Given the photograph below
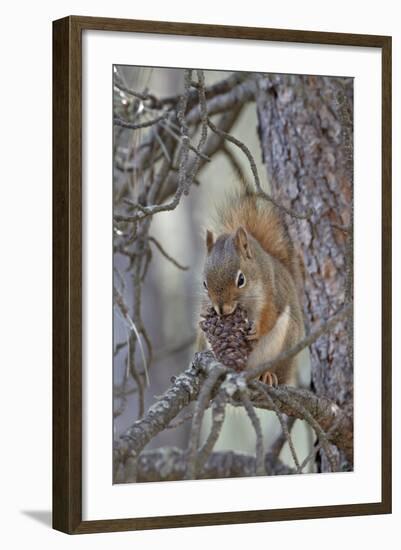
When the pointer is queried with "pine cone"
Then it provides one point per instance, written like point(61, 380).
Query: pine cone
point(227, 337)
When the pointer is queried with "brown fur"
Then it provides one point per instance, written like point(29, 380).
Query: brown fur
point(268, 317)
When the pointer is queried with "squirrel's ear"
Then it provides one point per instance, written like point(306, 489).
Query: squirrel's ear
point(242, 243)
point(209, 240)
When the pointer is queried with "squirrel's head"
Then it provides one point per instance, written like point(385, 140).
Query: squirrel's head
point(229, 270)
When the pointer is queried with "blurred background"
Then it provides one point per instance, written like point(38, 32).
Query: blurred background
point(171, 296)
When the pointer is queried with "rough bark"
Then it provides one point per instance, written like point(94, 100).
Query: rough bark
point(303, 125)
point(170, 463)
point(185, 388)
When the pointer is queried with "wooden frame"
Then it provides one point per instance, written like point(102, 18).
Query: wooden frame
point(67, 262)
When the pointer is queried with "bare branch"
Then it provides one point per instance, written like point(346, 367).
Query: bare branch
point(185, 389)
point(215, 371)
point(184, 180)
point(169, 464)
point(336, 422)
point(212, 146)
point(139, 95)
point(330, 422)
point(283, 423)
point(218, 416)
point(232, 101)
point(221, 88)
point(238, 95)
point(166, 255)
point(135, 333)
point(281, 439)
point(259, 465)
point(137, 125)
point(203, 119)
point(291, 401)
point(192, 148)
point(236, 166)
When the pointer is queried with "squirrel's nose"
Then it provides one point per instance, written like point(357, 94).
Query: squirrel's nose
point(228, 309)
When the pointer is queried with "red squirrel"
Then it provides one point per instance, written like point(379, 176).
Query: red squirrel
point(252, 261)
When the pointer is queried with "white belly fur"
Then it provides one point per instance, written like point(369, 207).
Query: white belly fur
point(270, 345)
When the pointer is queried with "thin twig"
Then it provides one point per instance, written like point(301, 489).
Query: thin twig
point(259, 191)
point(203, 120)
point(119, 347)
point(131, 325)
point(264, 390)
point(285, 398)
point(166, 255)
point(183, 180)
point(148, 259)
point(204, 396)
point(235, 164)
point(281, 439)
point(259, 465)
point(135, 374)
point(166, 126)
point(161, 143)
point(137, 125)
point(218, 415)
point(231, 102)
point(139, 95)
point(122, 396)
point(219, 88)
point(317, 447)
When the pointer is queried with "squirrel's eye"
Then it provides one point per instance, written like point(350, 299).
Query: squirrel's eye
point(241, 280)
point(205, 284)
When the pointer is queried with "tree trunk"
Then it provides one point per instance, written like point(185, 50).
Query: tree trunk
point(305, 130)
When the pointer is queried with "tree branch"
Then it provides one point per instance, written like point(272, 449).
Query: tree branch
point(213, 144)
point(336, 423)
point(169, 464)
point(137, 125)
point(184, 389)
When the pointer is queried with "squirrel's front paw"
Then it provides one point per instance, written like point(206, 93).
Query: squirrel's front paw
point(253, 333)
point(269, 378)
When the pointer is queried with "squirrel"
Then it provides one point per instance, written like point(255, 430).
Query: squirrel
point(252, 261)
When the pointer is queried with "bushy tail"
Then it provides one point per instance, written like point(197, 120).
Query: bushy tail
point(264, 222)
